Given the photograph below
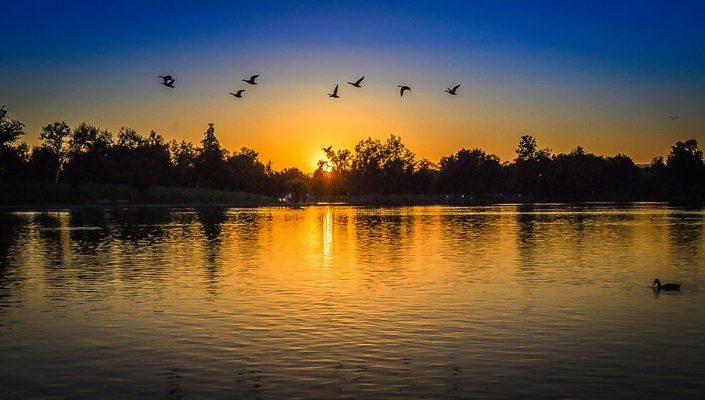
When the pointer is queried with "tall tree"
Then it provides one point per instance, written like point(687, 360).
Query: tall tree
point(88, 151)
point(246, 172)
point(210, 162)
point(183, 160)
point(471, 172)
point(685, 166)
point(12, 157)
point(55, 137)
point(10, 129)
point(531, 166)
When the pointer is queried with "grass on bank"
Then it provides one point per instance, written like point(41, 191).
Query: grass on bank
point(120, 195)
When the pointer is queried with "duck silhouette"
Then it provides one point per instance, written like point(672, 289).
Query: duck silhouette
point(252, 79)
point(238, 94)
point(167, 80)
point(403, 88)
point(357, 83)
point(335, 93)
point(453, 91)
point(666, 287)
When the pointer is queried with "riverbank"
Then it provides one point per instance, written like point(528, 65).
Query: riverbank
point(48, 196)
point(37, 196)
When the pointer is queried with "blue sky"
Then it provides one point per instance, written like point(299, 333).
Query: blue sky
point(96, 61)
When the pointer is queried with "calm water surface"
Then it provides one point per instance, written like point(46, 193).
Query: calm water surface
point(548, 301)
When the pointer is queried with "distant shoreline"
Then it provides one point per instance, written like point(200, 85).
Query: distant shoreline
point(20, 197)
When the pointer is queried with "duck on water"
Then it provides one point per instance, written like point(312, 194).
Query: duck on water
point(666, 287)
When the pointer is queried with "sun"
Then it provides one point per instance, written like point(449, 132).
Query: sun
point(325, 167)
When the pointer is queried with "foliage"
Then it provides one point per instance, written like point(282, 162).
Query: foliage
point(10, 129)
point(371, 170)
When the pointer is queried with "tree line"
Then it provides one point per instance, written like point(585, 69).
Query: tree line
point(88, 154)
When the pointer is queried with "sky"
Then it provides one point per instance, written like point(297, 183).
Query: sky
point(603, 75)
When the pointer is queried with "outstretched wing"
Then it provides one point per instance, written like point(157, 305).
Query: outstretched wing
point(455, 87)
point(360, 80)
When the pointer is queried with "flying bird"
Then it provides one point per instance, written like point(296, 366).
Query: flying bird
point(673, 117)
point(357, 82)
point(238, 94)
point(252, 79)
point(453, 91)
point(167, 80)
point(402, 88)
point(335, 93)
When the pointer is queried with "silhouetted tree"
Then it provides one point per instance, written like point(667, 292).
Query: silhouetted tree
point(55, 137)
point(426, 176)
point(210, 161)
point(88, 150)
point(88, 154)
point(471, 172)
point(10, 129)
point(653, 179)
point(532, 165)
point(621, 175)
point(12, 156)
point(183, 160)
point(685, 167)
point(246, 172)
point(333, 174)
point(382, 168)
point(141, 161)
point(290, 181)
point(578, 175)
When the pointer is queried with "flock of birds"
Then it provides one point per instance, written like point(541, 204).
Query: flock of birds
point(168, 81)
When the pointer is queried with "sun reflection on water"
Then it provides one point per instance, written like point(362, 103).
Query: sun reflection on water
point(327, 236)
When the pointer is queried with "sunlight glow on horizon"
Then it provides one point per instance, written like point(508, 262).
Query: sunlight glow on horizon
point(588, 86)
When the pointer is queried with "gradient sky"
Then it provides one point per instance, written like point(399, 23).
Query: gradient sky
point(604, 75)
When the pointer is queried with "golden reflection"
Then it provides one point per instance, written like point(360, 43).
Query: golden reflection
point(327, 235)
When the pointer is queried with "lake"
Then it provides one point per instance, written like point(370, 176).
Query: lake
point(508, 301)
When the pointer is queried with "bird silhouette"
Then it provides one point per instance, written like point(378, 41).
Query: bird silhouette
point(673, 117)
point(667, 287)
point(402, 88)
point(327, 149)
point(238, 94)
point(357, 82)
point(335, 93)
point(167, 80)
point(252, 79)
point(453, 91)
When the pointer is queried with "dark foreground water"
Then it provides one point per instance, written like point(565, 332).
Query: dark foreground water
point(429, 302)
